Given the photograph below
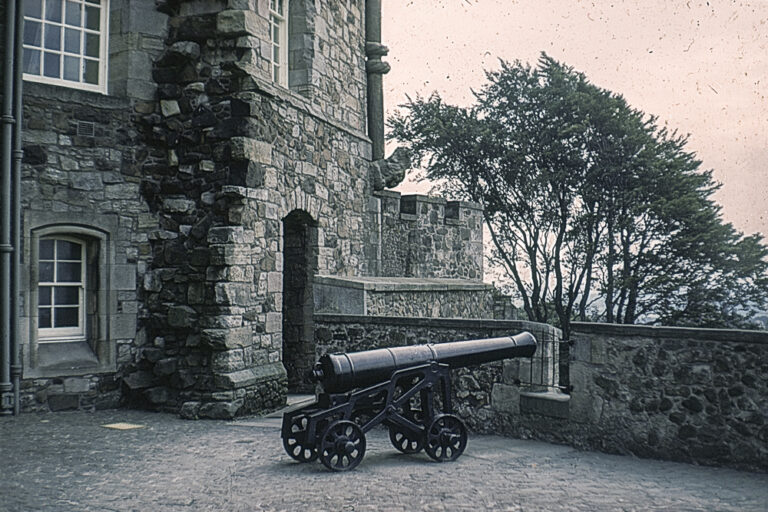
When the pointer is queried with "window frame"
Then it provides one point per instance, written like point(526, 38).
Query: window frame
point(280, 47)
point(64, 334)
point(101, 86)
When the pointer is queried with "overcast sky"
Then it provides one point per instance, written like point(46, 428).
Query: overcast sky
point(701, 67)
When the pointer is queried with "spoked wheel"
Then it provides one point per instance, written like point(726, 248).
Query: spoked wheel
point(446, 438)
point(342, 445)
point(406, 441)
point(295, 443)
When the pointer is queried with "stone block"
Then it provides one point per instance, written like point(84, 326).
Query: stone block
point(63, 402)
point(245, 148)
point(165, 366)
point(123, 277)
point(189, 410)
point(123, 325)
point(181, 316)
point(232, 293)
point(505, 398)
point(240, 23)
point(220, 410)
point(250, 376)
point(274, 323)
point(552, 404)
point(228, 361)
point(222, 339)
point(77, 385)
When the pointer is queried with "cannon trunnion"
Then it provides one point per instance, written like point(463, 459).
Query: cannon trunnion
point(408, 389)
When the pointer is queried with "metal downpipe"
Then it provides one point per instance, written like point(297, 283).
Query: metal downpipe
point(18, 153)
point(6, 248)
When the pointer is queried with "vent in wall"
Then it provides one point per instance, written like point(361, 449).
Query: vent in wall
point(85, 129)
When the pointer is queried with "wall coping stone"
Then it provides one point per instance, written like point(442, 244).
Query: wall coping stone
point(403, 284)
point(451, 323)
point(654, 331)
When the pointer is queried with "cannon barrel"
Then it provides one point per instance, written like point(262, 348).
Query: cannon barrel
point(342, 372)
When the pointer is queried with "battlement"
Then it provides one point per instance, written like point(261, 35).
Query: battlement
point(429, 237)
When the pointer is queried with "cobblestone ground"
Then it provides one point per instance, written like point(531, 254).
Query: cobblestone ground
point(69, 462)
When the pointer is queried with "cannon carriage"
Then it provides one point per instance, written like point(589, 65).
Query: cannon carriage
point(406, 389)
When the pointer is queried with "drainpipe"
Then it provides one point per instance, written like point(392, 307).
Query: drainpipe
point(375, 68)
point(7, 121)
point(18, 153)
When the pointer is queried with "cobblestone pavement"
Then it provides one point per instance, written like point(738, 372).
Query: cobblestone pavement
point(69, 462)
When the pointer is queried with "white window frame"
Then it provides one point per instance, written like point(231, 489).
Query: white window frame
point(101, 86)
point(278, 18)
point(65, 334)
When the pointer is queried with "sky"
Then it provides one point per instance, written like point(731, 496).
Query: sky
point(701, 67)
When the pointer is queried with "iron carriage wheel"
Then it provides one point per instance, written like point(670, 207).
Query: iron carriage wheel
point(296, 444)
point(446, 438)
point(342, 445)
point(405, 440)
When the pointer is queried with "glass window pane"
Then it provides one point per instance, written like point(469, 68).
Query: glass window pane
point(72, 16)
point(280, 7)
point(66, 317)
point(71, 68)
point(66, 250)
point(68, 273)
point(51, 65)
point(46, 250)
point(71, 40)
point(44, 318)
point(92, 17)
point(92, 45)
point(53, 10)
point(66, 295)
point(272, 4)
point(46, 272)
point(276, 54)
point(31, 61)
point(33, 8)
point(275, 33)
point(52, 37)
point(33, 33)
point(44, 295)
point(90, 71)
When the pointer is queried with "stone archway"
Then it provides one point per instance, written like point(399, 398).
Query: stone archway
point(299, 267)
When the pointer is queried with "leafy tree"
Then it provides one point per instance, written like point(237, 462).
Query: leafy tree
point(588, 202)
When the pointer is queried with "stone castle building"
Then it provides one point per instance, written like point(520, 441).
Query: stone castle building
point(198, 178)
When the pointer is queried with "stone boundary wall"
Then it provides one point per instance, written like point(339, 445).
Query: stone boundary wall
point(472, 387)
point(690, 395)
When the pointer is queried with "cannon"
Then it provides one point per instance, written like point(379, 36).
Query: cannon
point(407, 389)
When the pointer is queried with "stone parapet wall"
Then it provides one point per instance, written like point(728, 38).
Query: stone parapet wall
point(474, 387)
point(689, 395)
point(403, 297)
point(429, 237)
point(692, 395)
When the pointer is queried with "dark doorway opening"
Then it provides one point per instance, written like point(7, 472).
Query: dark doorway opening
point(299, 267)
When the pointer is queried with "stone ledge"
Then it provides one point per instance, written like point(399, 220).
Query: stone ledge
point(449, 323)
point(402, 284)
point(548, 403)
point(652, 331)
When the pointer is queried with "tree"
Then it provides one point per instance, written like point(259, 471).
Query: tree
point(588, 202)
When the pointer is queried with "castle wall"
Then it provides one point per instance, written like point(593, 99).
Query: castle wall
point(81, 175)
point(423, 236)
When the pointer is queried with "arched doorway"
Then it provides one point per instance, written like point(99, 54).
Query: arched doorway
point(299, 267)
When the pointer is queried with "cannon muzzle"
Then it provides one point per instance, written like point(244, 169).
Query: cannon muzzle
point(342, 372)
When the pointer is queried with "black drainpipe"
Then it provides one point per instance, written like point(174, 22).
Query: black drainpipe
point(6, 249)
point(18, 153)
